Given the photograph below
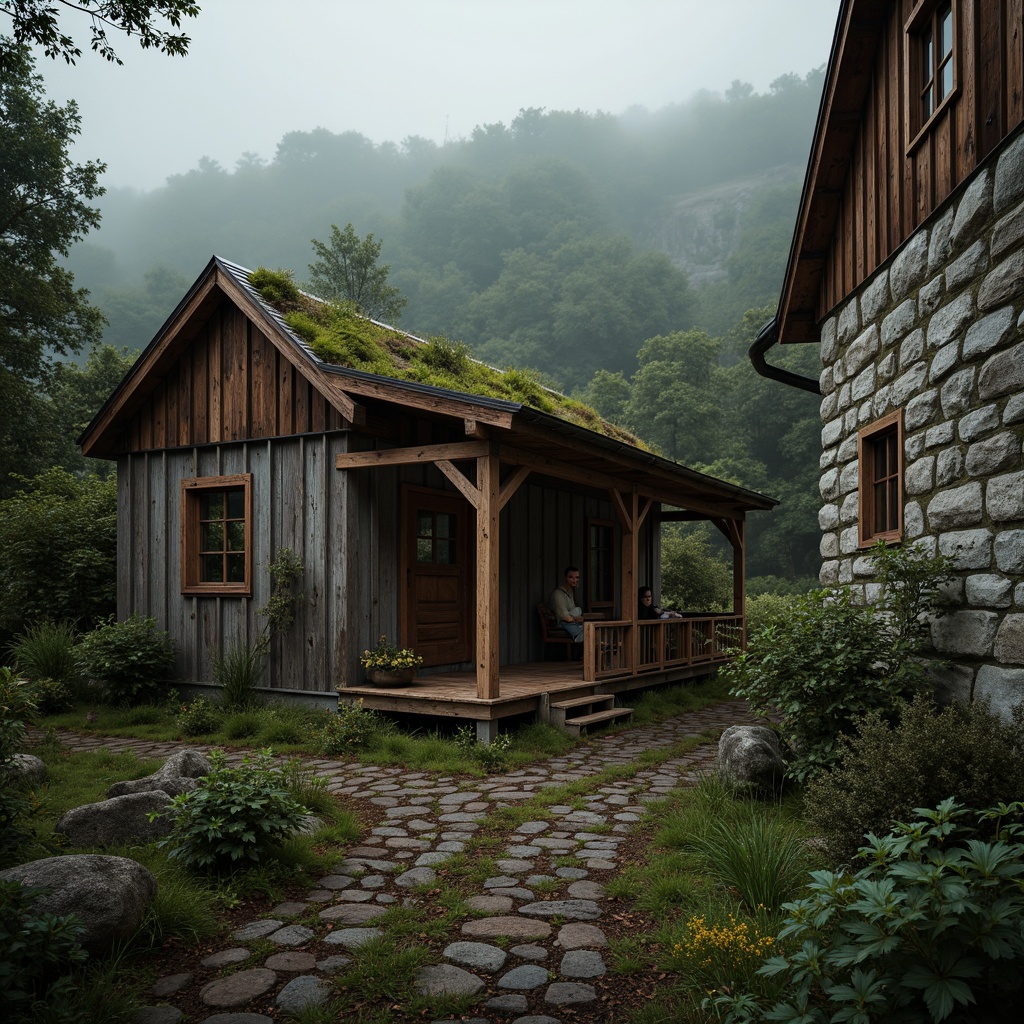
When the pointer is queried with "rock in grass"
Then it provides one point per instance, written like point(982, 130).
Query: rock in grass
point(750, 755)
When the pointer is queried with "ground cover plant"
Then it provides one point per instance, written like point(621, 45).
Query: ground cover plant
point(930, 929)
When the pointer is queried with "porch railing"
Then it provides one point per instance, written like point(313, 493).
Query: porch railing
point(615, 649)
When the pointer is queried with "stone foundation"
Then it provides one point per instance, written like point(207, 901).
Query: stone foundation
point(938, 331)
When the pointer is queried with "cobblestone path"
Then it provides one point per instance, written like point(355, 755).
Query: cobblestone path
point(510, 954)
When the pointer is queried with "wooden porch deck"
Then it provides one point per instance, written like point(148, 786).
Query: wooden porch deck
point(618, 657)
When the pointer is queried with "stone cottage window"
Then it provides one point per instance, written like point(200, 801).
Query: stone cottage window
point(931, 62)
point(216, 535)
point(880, 461)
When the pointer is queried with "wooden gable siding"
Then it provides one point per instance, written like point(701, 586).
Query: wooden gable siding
point(891, 185)
point(299, 502)
point(229, 384)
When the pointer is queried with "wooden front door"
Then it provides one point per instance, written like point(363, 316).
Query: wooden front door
point(437, 607)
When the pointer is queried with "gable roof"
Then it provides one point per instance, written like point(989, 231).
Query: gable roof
point(546, 442)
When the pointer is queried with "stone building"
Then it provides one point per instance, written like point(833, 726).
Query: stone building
point(907, 266)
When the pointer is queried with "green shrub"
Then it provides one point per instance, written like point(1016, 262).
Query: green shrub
point(52, 696)
point(885, 770)
point(931, 929)
point(17, 705)
point(58, 551)
point(242, 724)
point(130, 660)
point(37, 952)
point(831, 659)
point(820, 668)
point(199, 717)
point(46, 650)
point(765, 610)
point(234, 814)
point(347, 729)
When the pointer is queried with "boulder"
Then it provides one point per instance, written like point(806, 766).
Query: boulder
point(26, 771)
point(178, 774)
point(120, 820)
point(750, 755)
point(109, 895)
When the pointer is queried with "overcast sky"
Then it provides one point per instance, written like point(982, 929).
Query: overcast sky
point(389, 69)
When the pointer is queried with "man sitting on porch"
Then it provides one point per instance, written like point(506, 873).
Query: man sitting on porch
point(563, 603)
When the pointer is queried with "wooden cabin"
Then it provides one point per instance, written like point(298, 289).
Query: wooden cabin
point(437, 518)
point(907, 267)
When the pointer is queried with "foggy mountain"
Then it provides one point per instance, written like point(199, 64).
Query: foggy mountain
point(650, 222)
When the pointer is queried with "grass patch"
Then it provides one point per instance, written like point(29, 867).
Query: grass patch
point(653, 706)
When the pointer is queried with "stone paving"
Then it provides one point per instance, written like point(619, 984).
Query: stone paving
point(535, 946)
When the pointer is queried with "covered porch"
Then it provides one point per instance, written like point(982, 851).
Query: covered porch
point(488, 455)
point(619, 656)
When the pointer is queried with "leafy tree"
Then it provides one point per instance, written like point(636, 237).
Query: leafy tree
point(37, 22)
point(41, 213)
point(347, 270)
point(58, 551)
point(78, 393)
point(691, 576)
point(676, 399)
point(135, 312)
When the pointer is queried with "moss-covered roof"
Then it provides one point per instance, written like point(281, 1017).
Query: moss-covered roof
point(339, 335)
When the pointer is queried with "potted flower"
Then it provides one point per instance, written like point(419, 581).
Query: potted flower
point(390, 666)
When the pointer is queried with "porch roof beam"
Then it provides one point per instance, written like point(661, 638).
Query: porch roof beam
point(609, 482)
point(411, 456)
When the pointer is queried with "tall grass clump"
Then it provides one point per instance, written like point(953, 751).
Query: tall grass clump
point(760, 857)
point(46, 650)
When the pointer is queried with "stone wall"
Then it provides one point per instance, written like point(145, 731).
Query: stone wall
point(938, 331)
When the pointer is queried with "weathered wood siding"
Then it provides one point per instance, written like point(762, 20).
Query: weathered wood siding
point(897, 176)
point(345, 527)
point(230, 384)
point(299, 502)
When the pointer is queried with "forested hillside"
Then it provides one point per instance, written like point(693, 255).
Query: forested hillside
point(616, 255)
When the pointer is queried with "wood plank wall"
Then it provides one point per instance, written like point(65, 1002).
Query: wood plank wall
point(298, 503)
point(230, 384)
point(345, 529)
point(892, 187)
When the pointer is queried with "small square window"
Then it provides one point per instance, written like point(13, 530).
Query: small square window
point(216, 535)
point(880, 455)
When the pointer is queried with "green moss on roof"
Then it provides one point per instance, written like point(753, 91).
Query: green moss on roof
point(338, 334)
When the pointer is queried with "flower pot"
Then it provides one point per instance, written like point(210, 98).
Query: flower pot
point(390, 676)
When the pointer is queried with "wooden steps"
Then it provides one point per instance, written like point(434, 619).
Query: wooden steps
point(576, 713)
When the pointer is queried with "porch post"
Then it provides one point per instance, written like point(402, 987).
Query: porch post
point(629, 517)
point(739, 567)
point(488, 486)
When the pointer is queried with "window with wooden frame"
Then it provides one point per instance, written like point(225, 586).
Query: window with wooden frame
point(880, 454)
point(931, 35)
point(216, 535)
point(600, 565)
